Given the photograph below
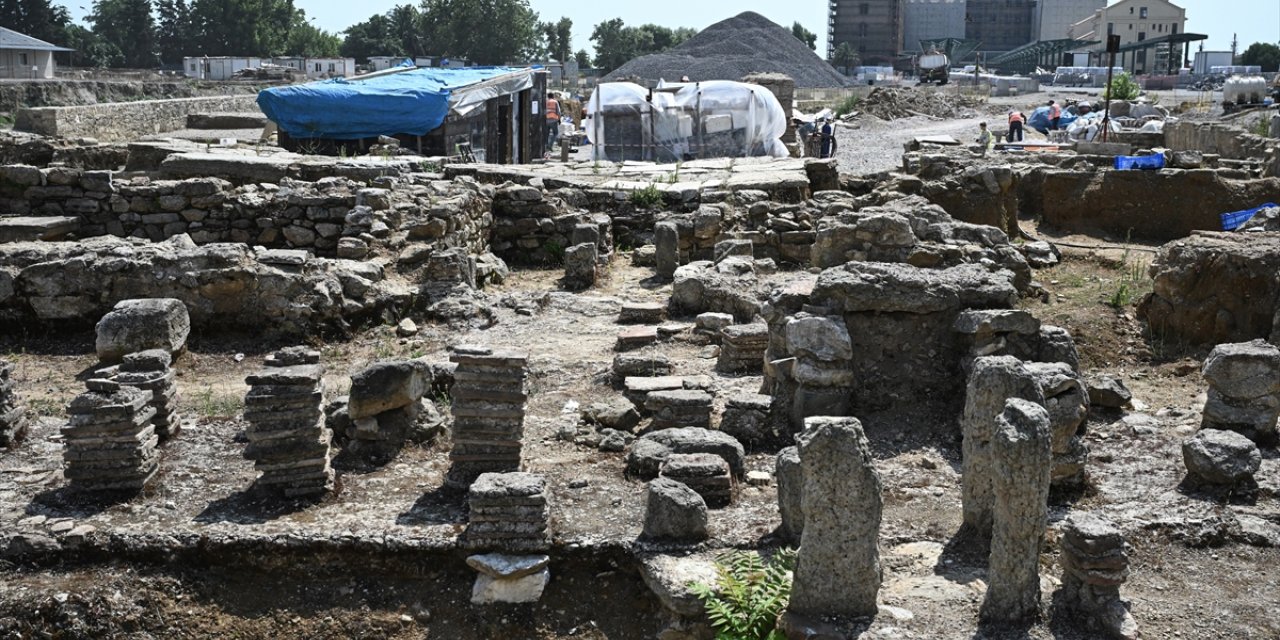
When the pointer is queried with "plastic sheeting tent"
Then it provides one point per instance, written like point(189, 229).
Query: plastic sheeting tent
point(412, 102)
point(684, 121)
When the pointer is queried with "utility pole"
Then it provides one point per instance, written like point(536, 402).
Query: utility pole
point(1235, 45)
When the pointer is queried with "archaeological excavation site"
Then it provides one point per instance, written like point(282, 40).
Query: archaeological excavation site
point(673, 380)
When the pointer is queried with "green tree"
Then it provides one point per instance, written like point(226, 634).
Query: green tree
point(616, 43)
point(373, 37)
point(482, 31)
point(1263, 54)
point(845, 57)
point(129, 25)
point(405, 24)
point(37, 18)
point(91, 50)
point(305, 39)
point(583, 59)
point(804, 35)
point(242, 27)
point(173, 30)
point(558, 37)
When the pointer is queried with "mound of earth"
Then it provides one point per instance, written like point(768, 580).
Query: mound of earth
point(732, 49)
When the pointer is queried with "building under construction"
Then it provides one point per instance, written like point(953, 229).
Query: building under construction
point(881, 30)
point(873, 28)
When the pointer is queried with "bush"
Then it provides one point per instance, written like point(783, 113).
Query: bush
point(749, 595)
point(1122, 87)
point(649, 197)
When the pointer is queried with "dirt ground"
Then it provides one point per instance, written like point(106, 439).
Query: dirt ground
point(1192, 575)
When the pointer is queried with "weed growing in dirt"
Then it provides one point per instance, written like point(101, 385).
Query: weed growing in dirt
point(555, 250)
point(749, 594)
point(847, 106)
point(217, 404)
point(45, 407)
point(1262, 127)
point(1133, 279)
point(647, 198)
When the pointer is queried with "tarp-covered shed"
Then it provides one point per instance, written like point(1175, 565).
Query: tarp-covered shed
point(430, 110)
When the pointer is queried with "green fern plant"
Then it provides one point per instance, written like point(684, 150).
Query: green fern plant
point(749, 594)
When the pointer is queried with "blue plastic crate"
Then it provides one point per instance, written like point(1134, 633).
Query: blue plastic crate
point(1126, 163)
point(1235, 219)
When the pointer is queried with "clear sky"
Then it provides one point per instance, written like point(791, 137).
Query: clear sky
point(1252, 20)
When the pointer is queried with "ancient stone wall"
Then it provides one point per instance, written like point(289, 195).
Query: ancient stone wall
point(226, 287)
point(117, 121)
point(1163, 205)
point(1225, 140)
point(1213, 288)
point(317, 216)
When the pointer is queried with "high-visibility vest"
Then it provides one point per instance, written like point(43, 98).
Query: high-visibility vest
point(553, 109)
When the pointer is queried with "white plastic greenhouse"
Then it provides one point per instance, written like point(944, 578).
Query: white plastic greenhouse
point(684, 121)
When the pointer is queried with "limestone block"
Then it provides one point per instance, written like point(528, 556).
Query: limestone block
point(141, 324)
point(838, 570)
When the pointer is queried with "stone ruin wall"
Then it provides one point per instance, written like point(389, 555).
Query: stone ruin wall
point(118, 121)
point(291, 215)
point(1225, 140)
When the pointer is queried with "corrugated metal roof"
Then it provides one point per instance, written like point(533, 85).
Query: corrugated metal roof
point(10, 39)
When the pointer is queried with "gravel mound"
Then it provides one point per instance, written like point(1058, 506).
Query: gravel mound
point(731, 49)
point(889, 103)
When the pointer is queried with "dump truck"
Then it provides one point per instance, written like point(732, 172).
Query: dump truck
point(934, 67)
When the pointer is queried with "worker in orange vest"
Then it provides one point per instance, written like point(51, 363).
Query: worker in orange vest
point(553, 120)
point(1016, 120)
point(1055, 116)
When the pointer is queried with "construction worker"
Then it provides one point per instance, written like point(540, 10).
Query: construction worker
point(1016, 122)
point(553, 120)
point(1055, 116)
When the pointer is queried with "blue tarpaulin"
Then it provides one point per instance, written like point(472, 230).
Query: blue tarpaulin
point(1039, 119)
point(410, 102)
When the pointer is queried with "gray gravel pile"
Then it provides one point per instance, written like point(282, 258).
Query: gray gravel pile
point(731, 49)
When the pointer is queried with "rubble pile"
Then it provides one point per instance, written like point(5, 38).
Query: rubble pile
point(893, 103)
point(13, 417)
point(110, 441)
point(386, 408)
point(288, 439)
point(149, 371)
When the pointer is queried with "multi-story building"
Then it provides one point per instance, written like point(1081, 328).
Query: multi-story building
point(1001, 25)
point(1054, 18)
point(1136, 21)
point(931, 20)
point(872, 27)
